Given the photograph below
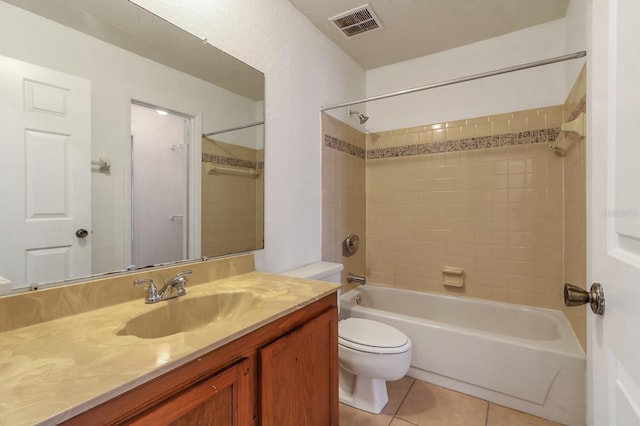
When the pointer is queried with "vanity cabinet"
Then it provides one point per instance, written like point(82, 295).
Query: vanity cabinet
point(223, 399)
point(284, 373)
point(294, 370)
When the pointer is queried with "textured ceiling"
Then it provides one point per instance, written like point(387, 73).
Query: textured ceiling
point(414, 28)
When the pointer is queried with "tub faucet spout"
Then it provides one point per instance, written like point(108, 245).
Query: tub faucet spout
point(356, 279)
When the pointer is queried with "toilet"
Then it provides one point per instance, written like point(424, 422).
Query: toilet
point(370, 353)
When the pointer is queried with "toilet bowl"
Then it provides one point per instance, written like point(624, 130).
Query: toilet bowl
point(370, 353)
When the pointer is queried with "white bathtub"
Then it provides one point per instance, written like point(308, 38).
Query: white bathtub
point(521, 357)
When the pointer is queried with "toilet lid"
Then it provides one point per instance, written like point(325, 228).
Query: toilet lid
point(371, 336)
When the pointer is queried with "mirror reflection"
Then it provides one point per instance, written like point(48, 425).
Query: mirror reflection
point(104, 163)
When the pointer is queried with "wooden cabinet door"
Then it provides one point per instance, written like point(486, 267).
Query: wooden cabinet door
point(299, 375)
point(222, 400)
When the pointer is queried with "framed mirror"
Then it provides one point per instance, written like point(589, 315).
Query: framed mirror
point(127, 142)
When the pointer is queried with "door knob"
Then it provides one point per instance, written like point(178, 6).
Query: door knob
point(82, 233)
point(575, 296)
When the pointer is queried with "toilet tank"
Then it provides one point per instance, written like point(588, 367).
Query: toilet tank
point(321, 271)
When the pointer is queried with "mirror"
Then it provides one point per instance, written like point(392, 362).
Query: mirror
point(92, 179)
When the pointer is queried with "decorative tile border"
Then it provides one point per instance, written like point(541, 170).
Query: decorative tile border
point(507, 139)
point(229, 161)
point(467, 144)
point(342, 146)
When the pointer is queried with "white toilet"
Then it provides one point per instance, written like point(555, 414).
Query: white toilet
point(370, 352)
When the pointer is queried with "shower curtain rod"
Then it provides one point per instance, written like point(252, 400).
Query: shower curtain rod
point(534, 64)
point(231, 129)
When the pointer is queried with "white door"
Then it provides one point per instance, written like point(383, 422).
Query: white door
point(613, 176)
point(45, 174)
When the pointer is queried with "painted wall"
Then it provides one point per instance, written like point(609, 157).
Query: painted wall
point(303, 71)
point(575, 38)
point(533, 88)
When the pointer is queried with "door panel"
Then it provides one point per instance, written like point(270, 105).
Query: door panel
point(222, 400)
point(47, 171)
point(299, 375)
point(45, 163)
point(614, 212)
point(48, 264)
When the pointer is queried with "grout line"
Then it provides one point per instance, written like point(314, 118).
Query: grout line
point(486, 415)
point(402, 402)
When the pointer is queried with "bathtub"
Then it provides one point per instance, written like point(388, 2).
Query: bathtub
point(521, 357)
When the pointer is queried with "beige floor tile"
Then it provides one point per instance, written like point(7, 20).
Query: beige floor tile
point(430, 405)
point(397, 391)
point(350, 416)
point(399, 422)
point(503, 416)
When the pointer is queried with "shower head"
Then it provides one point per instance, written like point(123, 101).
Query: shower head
point(363, 118)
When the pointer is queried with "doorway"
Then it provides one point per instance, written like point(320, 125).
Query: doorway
point(159, 185)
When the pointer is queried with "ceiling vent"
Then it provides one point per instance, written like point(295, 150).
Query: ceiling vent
point(357, 21)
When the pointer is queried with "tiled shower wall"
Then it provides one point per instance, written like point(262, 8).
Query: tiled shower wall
point(484, 194)
point(495, 212)
point(575, 209)
point(343, 194)
point(230, 201)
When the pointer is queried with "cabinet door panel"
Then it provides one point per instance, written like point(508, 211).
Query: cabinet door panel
point(299, 375)
point(222, 400)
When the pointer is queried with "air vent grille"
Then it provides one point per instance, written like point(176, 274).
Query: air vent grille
point(357, 21)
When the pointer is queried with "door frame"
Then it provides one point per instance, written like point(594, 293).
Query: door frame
point(194, 167)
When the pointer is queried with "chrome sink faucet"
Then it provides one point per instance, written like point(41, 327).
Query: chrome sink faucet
point(174, 287)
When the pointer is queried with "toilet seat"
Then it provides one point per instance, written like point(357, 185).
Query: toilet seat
point(371, 336)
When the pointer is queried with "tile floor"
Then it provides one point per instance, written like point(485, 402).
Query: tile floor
point(413, 402)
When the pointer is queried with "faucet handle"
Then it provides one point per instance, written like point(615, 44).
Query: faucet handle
point(179, 281)
point(187, 272)
point(153, 295)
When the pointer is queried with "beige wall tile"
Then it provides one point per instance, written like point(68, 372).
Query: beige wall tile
point(452, 133)
point(483, 129)
point(536, 121)
point(489, 213)
point(343, 201)
point(499, 127)
point(573, 212)
point(518, 123)
point(438, 135)
point(468, 131)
